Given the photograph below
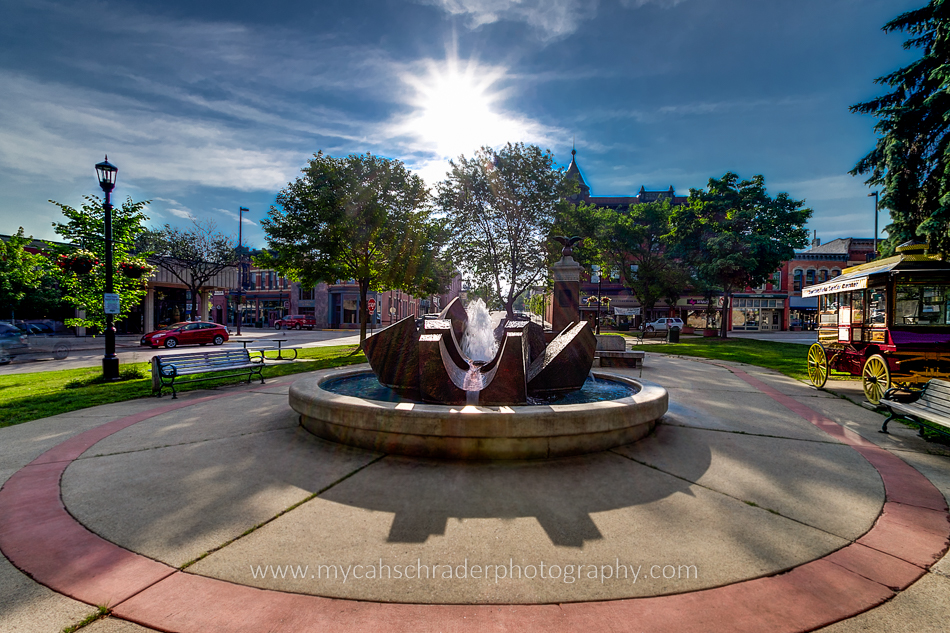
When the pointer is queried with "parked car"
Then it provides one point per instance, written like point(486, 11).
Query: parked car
point(295, 322)
point(43, 337)
point(187, 333)
point(664, 324)
point(12, 340)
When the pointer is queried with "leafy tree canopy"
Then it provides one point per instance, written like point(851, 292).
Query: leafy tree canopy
point(358, 217)
point(194, 256)
point(85, 227)
point(631, 241)
point(734, 235)
point(24, 276)
point(910, 162)
point(500, 206)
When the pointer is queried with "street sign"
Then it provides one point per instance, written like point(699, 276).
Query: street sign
point(371, 305)
point(110, 302)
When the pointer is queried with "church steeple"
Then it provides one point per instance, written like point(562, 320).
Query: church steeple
point(573, 171)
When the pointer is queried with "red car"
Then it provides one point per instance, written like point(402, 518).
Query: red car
point(187, 333)
point(295, 322)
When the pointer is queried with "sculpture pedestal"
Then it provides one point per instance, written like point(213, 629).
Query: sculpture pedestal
point(567, 287)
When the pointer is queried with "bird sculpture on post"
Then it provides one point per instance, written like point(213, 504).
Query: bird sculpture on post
point(568, 244)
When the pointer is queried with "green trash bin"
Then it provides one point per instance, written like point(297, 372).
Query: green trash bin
point(673, 335)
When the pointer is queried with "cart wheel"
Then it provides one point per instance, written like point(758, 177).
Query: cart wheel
point(817, 365)
point(877, 378)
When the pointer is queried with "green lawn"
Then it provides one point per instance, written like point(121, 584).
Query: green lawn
point(25, 397)
point(786, 358)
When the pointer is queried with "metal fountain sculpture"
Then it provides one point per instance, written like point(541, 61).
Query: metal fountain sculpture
point(427, 363)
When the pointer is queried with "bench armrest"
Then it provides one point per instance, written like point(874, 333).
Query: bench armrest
point(895, 394)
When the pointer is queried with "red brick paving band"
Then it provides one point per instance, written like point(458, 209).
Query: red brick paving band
point(41, 538)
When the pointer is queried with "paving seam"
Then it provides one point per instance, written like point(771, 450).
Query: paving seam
point(774, 437)
point(807, 597)
point(201, 441)
point(289, 508)
point(734, 498)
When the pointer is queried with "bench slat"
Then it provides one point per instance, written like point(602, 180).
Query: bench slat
point(206, 362)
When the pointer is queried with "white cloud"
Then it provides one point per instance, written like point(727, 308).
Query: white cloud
point(234, 216)
point(182, 213)
point(83, 124)
point(551, 18)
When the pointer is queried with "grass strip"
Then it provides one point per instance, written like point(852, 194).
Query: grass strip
point(790, 359)
point(26, 397)
point(98, 614)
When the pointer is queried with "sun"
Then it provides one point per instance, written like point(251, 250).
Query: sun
point(457, 109)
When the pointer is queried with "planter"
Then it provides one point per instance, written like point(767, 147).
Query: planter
point(710, 332)
point(78, 262)
point(688, 330)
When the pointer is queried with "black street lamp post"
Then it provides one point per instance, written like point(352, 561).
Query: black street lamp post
point(110, 362)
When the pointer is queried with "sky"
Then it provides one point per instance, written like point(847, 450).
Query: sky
point(209, 106)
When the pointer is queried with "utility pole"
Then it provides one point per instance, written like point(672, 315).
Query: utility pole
point(240, 295)
point(875, 194)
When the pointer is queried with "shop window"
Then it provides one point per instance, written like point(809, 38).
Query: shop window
point(827, 310)
point(922, 305)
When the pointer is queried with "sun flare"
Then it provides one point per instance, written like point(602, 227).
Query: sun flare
point(457, 109)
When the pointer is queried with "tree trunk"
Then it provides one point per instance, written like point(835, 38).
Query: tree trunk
point(726, 312)
point(364, 314)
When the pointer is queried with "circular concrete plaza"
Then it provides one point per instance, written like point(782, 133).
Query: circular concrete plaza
point(757, 504)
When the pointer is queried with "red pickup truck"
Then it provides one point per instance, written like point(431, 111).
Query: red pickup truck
point(295, 322)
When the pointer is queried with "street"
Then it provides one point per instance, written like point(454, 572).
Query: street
point(88, 351)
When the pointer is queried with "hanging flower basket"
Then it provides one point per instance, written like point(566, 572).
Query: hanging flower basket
point(135, 268)
point(79, 262)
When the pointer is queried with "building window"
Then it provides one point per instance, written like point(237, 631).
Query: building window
point(835, 272)
point(810, 277)
point(823, 275)
point(306, 294)
point(798, 280)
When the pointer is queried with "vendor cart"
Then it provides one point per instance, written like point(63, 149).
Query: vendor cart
point(887, 321)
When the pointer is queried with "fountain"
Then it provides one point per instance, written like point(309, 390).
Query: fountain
point(456, 388)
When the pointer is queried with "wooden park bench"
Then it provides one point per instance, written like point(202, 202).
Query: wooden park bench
point(237, 362)
point(928, 408)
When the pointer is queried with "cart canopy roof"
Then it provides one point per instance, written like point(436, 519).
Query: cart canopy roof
point(854, 278)
point(912, 258)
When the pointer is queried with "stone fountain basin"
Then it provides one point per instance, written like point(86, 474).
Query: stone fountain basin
point(476, 432)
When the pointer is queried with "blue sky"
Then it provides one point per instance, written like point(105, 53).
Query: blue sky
point(208, 106)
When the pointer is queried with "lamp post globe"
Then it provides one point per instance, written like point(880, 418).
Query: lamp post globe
point(106, 172)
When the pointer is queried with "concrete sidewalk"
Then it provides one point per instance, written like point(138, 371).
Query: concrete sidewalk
point(736, 492)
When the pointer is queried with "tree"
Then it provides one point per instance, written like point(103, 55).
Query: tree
point(911, 160)
point(85, 227)
point(359, 217)
point(733, 235)
point(500, 207)
point(24, 276)
point(631, 241)
point(193, 256)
